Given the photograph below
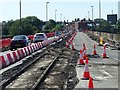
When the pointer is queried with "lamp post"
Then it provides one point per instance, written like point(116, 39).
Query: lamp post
point(47, 11)
point(64, 19)
point(20, 27)
point(61, 17)
point(88, 15)
point(99, 9)
point(100, 15)
point(55, 14)
point(92, 13)
point(92, 17)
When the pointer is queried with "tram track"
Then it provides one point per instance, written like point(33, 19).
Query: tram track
point(35, 70)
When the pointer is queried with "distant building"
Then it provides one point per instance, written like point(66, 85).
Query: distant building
point(119, 10)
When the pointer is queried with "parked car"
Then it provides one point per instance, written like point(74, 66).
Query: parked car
point(19, 41)
point(39, 37)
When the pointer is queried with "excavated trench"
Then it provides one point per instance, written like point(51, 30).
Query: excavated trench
point(62, 75)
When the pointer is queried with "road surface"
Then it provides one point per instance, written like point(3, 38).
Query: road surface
point(104, 71)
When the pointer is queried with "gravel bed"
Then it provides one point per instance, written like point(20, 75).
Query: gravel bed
point(63, 75)
point(31, 75)
point(12, 71)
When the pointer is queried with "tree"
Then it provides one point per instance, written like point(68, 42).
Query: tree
point(30, 25)
point(103, 26)
point(58, 27)
point(5, 27)
point(50, 25)
point(34, 21)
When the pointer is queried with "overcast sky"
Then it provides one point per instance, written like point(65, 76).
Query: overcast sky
point(70, 9)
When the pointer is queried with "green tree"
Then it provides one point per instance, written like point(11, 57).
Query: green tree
point(50, 25)
point(34, 21)
point(14, 28)
point(103, 26)
point(5, 27)
point(30, 25)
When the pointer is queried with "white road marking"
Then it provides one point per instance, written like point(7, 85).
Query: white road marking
point(115, 59)
point(107, 75)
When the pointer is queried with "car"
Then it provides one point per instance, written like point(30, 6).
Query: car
point(58, 33)
point(19, 41)
point(39, 37)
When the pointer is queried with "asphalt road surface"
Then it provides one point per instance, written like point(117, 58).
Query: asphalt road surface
point(104, 71)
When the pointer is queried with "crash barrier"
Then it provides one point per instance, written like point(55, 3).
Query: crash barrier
point(6, 42)
point(47, 34)
point(12, 57)
point(50, 34)
point(106, 36)
point(70, 40)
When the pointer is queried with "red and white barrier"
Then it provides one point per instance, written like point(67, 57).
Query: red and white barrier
point(10, 58)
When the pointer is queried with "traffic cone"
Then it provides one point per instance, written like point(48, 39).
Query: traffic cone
point(104, 54)
point(84, 56)
point(73, 44)
point(94, 51)
point(84, 51)
point(90, 84)
point(86, 74)
point(81, 62)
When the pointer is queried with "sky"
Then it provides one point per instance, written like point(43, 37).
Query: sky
point(70, 9)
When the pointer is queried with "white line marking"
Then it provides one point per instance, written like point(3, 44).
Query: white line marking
point(115, 59)
point(107, 75)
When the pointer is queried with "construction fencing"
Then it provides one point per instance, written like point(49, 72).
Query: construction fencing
point(107, 36)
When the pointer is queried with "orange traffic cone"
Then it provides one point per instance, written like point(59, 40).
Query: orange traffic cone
point(104, 54)
point(94, 51)
point(84, 51)
point(81, 58)
point(90, 85)
point(86, 74)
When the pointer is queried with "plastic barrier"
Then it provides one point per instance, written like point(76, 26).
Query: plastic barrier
point(50, 34)
point(5, 42)
point(11, 57)
point(47, 34)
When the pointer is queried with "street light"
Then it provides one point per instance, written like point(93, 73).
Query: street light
point(64, 19)
point(88, 15)
point(55, 14)
point(92, 13)
point(92, 20)
point(99, 9)
point(47, 11)
point(100, 15)
point(61, 17)
point(20, 27)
